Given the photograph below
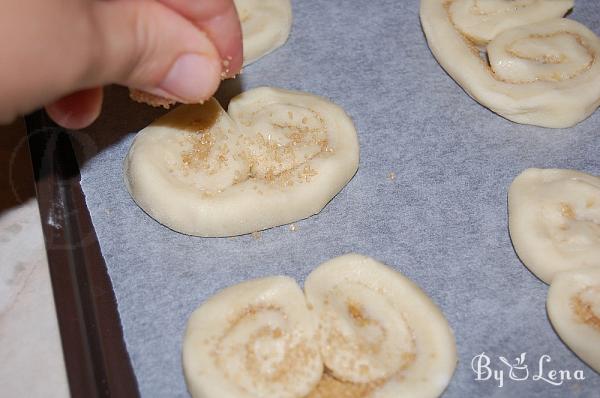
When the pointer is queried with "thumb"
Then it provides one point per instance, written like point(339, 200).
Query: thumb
point(146, 45)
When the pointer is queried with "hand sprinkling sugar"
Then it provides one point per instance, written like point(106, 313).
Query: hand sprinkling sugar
point(62, 52)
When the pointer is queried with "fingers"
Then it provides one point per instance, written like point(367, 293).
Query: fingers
point(146, 45)
point(178, 49)
point(172, 48)
point(219, 19)
point(77, 110)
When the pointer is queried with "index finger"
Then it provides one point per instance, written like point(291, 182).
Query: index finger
point(219, 20)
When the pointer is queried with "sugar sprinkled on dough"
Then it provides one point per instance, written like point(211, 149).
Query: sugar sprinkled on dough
point(583, 309)
point(330, 387)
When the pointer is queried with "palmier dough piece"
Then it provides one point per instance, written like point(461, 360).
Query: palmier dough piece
point(574, 310)
point(526, 81)
point(554, 220)
point(551, 51)
point(252, 340)
point(281, 156)
point(266, 25)
point(482, 20)
point(380, 335)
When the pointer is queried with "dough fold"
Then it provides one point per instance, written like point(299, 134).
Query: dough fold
point(542, 70)
point(277, 157)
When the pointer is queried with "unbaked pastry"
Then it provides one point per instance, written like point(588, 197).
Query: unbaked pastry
point(542, 69)
point(380, 335)
point(554, 220)
point(254, 339)
point(277, 157)
point(482, 20)
point(376, 332)
point(266, 25)
point(574, 310)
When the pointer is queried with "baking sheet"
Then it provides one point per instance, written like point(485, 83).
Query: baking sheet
point(442, 221)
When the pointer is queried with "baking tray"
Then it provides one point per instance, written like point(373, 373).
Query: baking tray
point(434, 170)
point(96, 360)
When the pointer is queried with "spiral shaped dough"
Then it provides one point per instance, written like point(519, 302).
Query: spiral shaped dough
point(574, 309)
point(551, 51)
point(278, 156)
point(361, 330)
point(482, 20)
point(542, 71)
point(255, 339)
point(380, 335)
point(554, 220)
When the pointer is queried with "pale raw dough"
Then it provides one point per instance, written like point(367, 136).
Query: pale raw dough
point(277, 157)
point(266, 25)
point(380, 334)
point(554, 220)
point(482, 20)
point(544, 72)
point(574, 310)
point(377, 333)
point(256, 339)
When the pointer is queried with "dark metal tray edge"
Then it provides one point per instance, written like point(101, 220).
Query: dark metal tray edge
point(96, 359)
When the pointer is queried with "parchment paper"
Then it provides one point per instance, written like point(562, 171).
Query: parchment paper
point(442, 221)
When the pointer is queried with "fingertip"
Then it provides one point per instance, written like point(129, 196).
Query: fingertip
point(77, 110)
point(192, 78)
point(220, 21)
point(229, 44)
point(163, 54)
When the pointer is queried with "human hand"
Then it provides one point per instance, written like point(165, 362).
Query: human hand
point(60, 53)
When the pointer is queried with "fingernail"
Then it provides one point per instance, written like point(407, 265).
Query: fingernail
point(192, 78)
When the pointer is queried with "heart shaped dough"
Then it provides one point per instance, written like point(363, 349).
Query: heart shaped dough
point(540, 71)
point(266, 25)
point(554, 220)
point(376, 332)
point(574, 310)
point(277, 157)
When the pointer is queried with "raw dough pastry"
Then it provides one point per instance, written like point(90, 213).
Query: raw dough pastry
point(255, 339)
point(554, 220)
point(277, 157)
point(482, 20)
point(543, 73)
point(380, 335)
point(266, 25)
point(574, 310)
